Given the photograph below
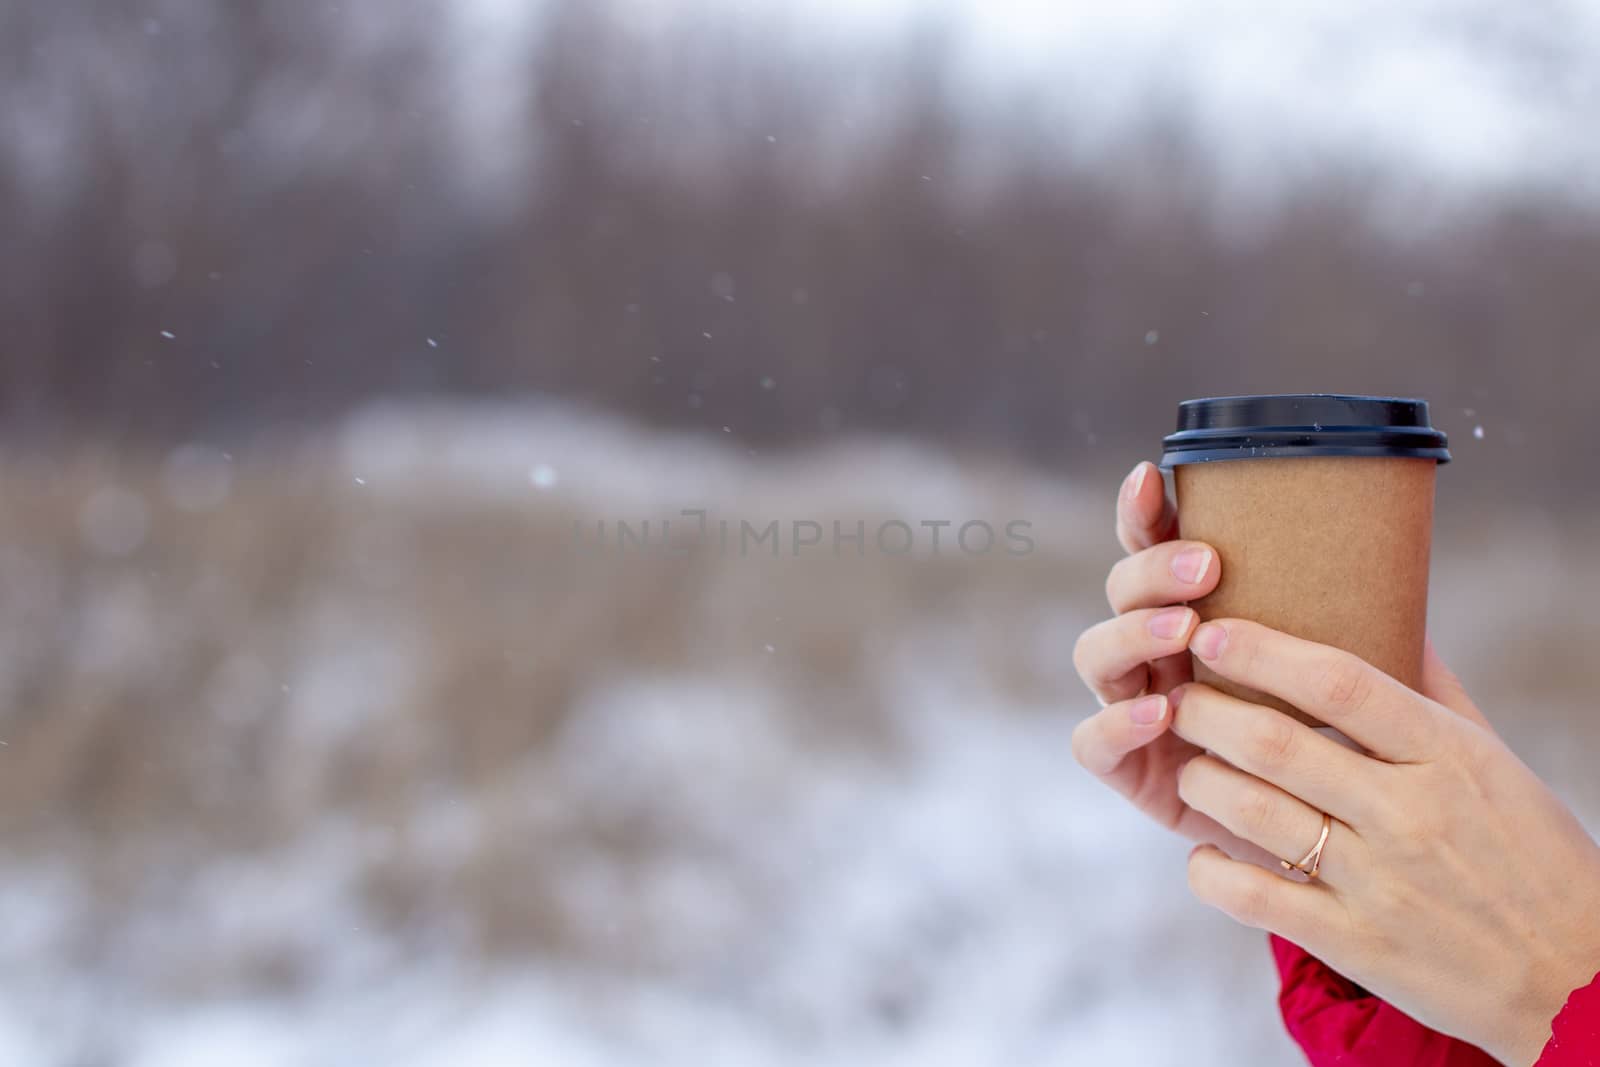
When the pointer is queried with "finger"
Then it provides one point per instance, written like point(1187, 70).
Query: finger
point(1144, 514)
point(1140, 760)
point(1104, 739)
point(1305, 913)
point(1327, 683)
point(1168, 573)
point(1270, 745)
point(1261, 813)
point(1440, 683)
point(1113, 657)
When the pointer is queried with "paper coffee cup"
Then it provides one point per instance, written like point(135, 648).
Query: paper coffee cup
point(1320, 507)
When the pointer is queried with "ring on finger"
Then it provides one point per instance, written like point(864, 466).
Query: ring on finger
point(1311, 862)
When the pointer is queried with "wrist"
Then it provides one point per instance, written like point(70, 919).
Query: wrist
point(1542, 997)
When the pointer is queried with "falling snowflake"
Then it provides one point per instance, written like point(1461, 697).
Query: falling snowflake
point(169, 335)
point(1477, 431)
point(543, 476)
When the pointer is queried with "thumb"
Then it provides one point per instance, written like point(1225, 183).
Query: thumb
point(1440, 683)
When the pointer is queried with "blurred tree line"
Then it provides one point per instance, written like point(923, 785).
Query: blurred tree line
point(222, 217)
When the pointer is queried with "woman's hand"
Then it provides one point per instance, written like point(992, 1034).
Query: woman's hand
point(1131, 661)
point(1453, 884)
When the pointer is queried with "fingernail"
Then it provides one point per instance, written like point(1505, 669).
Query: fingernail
point(1191, 564)
point(1175, 697)
point(1147, 711)
point(1136, 480)
point(1170, 623)
point(1207, 641)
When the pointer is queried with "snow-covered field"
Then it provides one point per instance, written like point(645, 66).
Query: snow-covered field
point(344, 753)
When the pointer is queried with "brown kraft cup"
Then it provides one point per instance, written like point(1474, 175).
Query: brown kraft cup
point(1320, 508)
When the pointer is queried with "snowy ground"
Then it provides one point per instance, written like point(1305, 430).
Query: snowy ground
point(773, 815)
point(984, 904)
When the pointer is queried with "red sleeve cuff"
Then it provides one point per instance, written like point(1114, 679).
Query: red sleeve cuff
point(1339, 1024)
point(1575, 1031)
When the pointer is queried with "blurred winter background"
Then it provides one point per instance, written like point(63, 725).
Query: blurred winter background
point(324, 741)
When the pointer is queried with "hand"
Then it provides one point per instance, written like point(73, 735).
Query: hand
point(1453, 883)
point(1144, 650)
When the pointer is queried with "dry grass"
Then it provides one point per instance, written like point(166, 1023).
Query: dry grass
point(311, 651)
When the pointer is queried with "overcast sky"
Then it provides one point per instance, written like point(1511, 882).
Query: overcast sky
point(1486, 92)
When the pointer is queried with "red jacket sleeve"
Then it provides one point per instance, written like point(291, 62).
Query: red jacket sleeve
point(1339, 1024)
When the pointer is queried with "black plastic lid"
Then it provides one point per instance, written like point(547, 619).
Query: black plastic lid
point(1302, 424)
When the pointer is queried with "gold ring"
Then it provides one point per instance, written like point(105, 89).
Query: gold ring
point(1313, 859)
